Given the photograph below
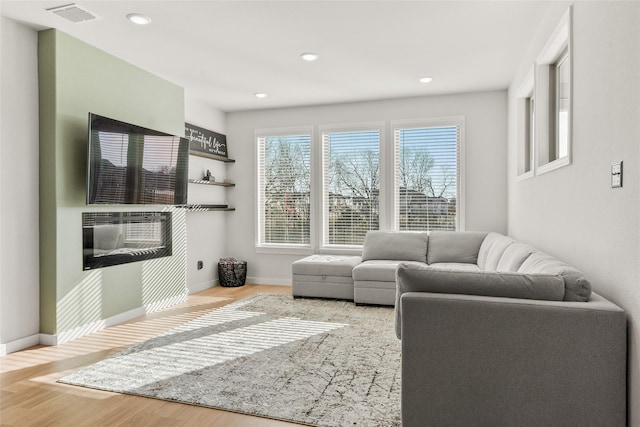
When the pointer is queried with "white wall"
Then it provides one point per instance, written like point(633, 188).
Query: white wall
point(572, 212)
point(206, 231)
point(485, 144)
point(19, 241)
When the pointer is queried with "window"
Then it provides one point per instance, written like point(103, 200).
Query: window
point(526, 127)
point(284, 187)
point(427, 169)
point(351, 185)
point(553, 99)
point(561, 104)
point(324, 193)
point(530, 132)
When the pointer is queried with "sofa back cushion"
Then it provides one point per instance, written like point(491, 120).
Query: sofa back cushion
point(395, 245)
point(576, 286)
point(454, 246)
point(513, 256)
point(492, 249)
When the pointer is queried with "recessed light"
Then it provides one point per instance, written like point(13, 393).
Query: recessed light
point(425, 79)
point(139, 19)
point(261, 95)
point(309, 56)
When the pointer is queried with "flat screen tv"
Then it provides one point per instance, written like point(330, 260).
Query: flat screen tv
point(130, 164)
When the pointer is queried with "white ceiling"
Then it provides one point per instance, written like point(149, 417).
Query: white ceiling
point(223, 52)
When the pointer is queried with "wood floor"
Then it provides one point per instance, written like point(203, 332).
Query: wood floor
point(30, 395)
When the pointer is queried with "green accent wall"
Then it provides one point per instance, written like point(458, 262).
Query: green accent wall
point(75, 79)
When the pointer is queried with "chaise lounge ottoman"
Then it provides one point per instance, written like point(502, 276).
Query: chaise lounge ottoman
point(324, 276)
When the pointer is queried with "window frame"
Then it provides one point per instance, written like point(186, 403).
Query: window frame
point(459, 122)
point(282, 248)
point(387, 164)
point(556, 51)
point(322, 224)
point(527, 145)
point(563, 59)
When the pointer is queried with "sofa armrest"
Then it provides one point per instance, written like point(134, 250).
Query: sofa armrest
point(474, 360)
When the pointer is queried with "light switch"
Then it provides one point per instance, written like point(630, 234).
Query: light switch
point(616, 175)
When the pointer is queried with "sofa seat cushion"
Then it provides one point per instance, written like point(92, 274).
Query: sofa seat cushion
point(576, 286)
point(325, 265)
point(378, 270)
point(455, 266)
point(453, 246)
point(393, 245)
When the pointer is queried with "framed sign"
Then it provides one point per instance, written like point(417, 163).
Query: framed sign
point(205, 142)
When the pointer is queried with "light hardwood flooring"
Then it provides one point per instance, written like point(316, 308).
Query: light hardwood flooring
point(30, 395)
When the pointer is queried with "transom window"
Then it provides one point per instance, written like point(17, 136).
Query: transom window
point(553, 99)
point(561, 103)
point(527, 127)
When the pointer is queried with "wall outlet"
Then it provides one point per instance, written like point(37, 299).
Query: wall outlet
point(200, 265)
point(616, 175)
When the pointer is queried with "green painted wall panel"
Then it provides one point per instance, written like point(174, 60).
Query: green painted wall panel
point(85, 80)
point(47, 182)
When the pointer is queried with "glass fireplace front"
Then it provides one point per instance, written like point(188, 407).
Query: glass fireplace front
point(112, 238)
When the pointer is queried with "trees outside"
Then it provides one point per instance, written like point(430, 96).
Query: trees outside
point(427, 178)
point(286, 189)
point(353, 193)
point(426, 184)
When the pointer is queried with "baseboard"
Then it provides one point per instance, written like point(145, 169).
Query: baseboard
point(202, 286)
point(19, 344)
point(66, 336)
point(267, 281)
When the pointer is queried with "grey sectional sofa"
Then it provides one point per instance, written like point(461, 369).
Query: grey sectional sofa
point(514, 338)
point(493, 331)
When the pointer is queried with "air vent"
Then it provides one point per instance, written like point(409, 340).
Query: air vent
point(73, 13)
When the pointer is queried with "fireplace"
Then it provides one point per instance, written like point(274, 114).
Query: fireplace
point(112, 238)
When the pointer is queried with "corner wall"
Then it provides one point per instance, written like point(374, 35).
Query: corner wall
point(19, 240)
point(76, 79)
point(485, 158)
point(206, 231)
point(572, 212)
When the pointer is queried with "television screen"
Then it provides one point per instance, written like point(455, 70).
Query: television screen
point(129, 164)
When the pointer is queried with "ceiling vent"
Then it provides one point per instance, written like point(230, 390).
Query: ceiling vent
point(73, 13)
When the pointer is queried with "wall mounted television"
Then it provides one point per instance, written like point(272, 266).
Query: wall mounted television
point(129, 164)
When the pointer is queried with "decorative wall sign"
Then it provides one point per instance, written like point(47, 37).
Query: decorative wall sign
point(203, 141)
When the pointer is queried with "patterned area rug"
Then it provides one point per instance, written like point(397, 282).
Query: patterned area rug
point(314, 362)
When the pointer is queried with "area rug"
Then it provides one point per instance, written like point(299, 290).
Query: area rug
point(309, 361)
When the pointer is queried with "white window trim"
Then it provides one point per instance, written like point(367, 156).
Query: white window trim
point(387, 179)
point(282, 249)
point(390, 178)
point(322, 211)
point(525, 92)
point(559, 40)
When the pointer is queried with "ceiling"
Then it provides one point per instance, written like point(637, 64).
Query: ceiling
point(223, 52)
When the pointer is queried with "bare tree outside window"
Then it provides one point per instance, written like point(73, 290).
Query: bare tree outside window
point(352, 186)
point(426, 178)
point(285, 189)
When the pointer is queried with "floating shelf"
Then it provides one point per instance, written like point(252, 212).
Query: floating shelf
point(206, 208)
point(202, 181)
point(212, 156)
